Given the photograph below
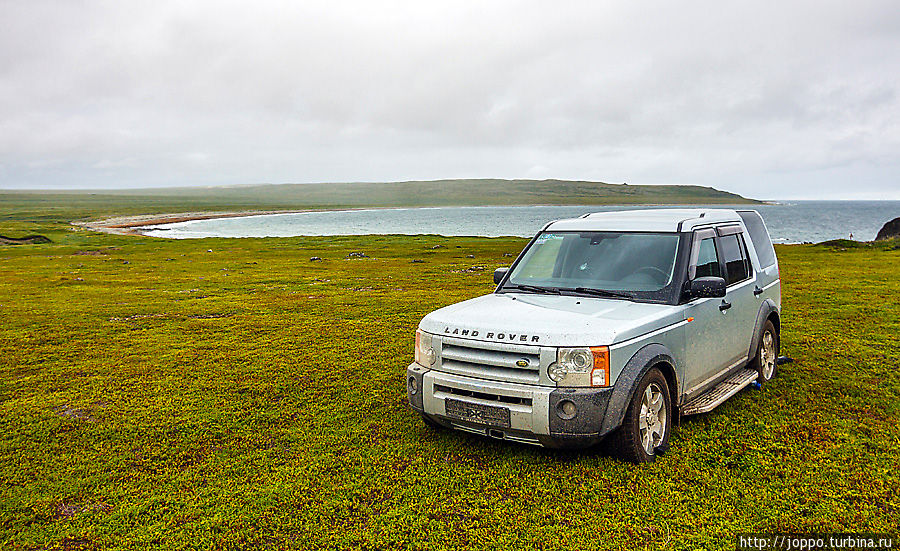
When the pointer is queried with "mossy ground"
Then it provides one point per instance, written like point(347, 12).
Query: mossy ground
point(234, 394)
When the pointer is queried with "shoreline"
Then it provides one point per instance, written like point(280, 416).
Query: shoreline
point(132, 224)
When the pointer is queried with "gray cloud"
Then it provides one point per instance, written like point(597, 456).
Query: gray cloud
point(775, 100)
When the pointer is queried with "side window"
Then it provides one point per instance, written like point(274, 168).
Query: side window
point(759, 237)
point(707, 259)
point(736, 264)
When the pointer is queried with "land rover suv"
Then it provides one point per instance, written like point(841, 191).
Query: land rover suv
point(611, 325)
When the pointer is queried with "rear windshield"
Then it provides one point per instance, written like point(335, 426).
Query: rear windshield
point(759, 236)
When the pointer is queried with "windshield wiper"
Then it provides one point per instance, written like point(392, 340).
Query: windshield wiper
point(531, 288)
point(599, 292)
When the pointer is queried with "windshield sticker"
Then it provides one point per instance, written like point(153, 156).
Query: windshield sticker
point(546, 237)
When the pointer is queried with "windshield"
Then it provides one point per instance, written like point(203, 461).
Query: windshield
point(625, 264)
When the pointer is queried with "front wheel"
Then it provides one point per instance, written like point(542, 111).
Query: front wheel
point(648, 421)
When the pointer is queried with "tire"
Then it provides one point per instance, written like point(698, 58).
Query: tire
point(644, 433)
point(765, 361)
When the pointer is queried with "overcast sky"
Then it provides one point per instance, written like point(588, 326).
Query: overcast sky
point(767, 99)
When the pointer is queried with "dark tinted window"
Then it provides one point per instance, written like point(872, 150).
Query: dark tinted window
point(736, 264)
point(707, 259)
point(760, 237)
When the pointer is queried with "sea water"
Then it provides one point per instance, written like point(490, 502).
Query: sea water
point(788, 222)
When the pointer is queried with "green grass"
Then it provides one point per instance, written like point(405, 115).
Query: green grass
point(154, 394)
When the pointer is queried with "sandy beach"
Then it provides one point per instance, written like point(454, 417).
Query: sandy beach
point(130, 225)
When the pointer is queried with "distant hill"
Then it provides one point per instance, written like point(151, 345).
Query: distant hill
point(350, 195)
point(456, 192)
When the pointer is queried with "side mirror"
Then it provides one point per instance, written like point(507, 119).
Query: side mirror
point(499, 274)
point(707, 287)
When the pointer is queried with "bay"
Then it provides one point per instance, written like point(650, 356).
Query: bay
point(788, 222)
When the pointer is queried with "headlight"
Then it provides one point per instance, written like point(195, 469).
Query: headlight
point(424, 352)
point(581, 366)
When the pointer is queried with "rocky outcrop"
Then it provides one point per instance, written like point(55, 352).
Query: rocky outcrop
point(27, 240)
point(889, 230)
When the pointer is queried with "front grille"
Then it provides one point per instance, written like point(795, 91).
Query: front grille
point(482, 395)
point(490, 360)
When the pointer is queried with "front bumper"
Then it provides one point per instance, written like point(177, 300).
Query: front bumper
point(535, 414)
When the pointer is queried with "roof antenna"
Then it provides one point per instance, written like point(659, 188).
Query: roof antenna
point(702, 214)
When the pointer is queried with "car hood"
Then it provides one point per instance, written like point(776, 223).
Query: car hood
point(549, 320)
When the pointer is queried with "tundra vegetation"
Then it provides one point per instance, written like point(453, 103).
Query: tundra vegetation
point(235, 394)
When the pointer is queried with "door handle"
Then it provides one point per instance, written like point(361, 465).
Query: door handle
point(724, 306)
point(757, 291)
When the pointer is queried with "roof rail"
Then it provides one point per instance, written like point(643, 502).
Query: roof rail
point(701, 215)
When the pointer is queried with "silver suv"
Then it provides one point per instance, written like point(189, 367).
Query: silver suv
point(609, 325)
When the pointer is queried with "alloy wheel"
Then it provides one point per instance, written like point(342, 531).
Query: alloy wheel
point(653, 418)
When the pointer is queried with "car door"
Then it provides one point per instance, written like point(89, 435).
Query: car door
point(740, 279)
point(705, 355)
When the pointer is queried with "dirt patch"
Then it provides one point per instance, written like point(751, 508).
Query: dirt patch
point(74, 413)
point(214, 315)
point(140, 317)
point(90, 253)
point(209, 316)
point(68, 509)
point(469, 270)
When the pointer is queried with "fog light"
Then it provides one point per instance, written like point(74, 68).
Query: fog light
point(412, 385)
point(566, 409)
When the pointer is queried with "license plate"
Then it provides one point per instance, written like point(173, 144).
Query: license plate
point(479, 413)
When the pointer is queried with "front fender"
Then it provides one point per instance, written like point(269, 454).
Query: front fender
point(631, 375)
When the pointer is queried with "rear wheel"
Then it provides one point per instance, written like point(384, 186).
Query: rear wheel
point(766, 360)
point(644, 433)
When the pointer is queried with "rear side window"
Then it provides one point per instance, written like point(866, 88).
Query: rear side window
point(737, 266)
point(759, 236)
point(707, 259)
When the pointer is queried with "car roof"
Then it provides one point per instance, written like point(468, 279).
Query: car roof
point(650, 220)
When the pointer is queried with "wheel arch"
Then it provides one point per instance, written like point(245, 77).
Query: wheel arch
point(768, 311)
point(775, 318)
point(645, 359)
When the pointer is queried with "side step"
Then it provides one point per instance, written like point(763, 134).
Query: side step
point(719, 393)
